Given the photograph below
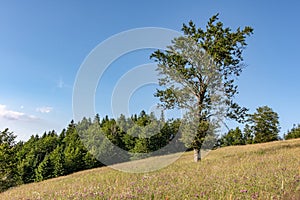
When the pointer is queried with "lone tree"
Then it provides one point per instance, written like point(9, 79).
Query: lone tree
point(196, 68)
point(264, 125)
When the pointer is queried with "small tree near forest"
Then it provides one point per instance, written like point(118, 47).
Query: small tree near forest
point(194, 66)
point(233, 137)
point(293, 133)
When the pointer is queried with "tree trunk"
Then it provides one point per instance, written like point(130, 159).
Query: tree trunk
point(197, 155)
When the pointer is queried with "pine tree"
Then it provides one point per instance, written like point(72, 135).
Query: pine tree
point(265, 125)
point(233, 137)
point(293, 133)
point(8, 168)
point(57, 159)
point(44, 170)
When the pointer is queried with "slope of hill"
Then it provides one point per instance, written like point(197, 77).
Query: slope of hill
point(260, 171)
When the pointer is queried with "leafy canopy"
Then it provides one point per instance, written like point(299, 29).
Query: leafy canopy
point(198, 72)
point(223, 47)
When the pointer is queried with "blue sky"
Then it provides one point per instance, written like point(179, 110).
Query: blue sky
point(43, 44)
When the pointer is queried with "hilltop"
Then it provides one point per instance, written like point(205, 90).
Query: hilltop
point(258, 171)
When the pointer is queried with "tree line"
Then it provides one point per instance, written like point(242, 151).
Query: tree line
point(75, 148)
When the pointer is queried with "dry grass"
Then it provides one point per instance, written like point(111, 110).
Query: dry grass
point(261, 171)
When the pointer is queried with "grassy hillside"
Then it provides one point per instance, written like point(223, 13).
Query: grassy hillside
point(260, 171)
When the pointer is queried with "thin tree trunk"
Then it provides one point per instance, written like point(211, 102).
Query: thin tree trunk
point(197, 155)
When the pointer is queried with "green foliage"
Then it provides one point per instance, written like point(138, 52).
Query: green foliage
point(57, 158)
point(28, 159)
point(195, 66)
point(73, 154)
point(248, 134)
point(112, 131)
point(233, 137)
point(44, 170)
point(264, 125)
point(293, 133)
point(8, 168)
point(141, 146)
point(138, 134)
point(33, 153)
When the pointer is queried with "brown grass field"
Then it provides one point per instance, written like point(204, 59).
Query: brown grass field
point(259, 171)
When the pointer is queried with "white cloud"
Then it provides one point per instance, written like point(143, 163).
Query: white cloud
point(14, 115)
point(23, 124)
point(45, 109)
point(60, 83)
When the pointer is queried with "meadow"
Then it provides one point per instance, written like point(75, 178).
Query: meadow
point(258, 171)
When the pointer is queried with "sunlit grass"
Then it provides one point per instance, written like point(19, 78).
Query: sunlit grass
point(261, 171)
